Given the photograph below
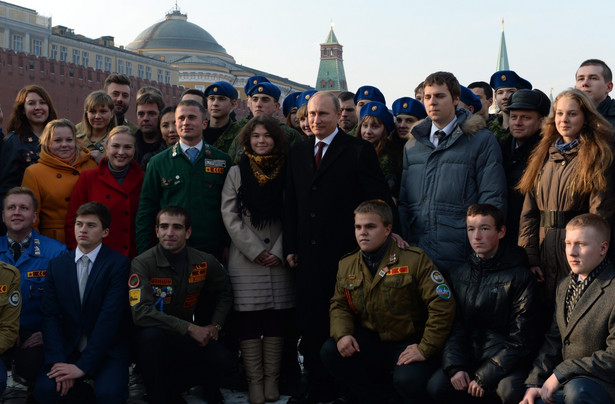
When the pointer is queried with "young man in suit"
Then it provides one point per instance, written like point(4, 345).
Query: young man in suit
point(84, 302)
point(576, 363)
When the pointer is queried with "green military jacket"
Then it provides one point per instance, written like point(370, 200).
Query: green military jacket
point(235, 151)
point(10, 306)
point(408, 299)
point(160, 297)
point(225, 140)
point(170, 179)
point(495, 126)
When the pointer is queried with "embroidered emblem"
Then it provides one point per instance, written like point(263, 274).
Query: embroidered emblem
point(191, 300)
point(134, 296)
point(14, 298)
point(437, 277)
point(398, 270)
point(134, 281)
point(161, 281)
point(443, 291)
point(36, 274)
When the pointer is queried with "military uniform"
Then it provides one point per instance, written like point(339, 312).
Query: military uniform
point(406, 302)
point(163, 300)
point(495, 126)
point(225, 140)
point(10, 306)
point(170, 179)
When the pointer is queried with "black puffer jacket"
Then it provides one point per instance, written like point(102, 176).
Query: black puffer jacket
point(495, 328)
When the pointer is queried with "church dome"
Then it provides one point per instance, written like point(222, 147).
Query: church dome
point(175, 33)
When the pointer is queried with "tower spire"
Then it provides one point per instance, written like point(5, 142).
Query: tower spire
point(331, 75)
point(502, 54)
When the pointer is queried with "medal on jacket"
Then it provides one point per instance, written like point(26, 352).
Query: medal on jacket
point(383, 272)
point(162, 294)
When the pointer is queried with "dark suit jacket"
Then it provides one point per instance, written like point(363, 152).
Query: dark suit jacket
point(101, 317)
point(319, 218)
point(586, 346)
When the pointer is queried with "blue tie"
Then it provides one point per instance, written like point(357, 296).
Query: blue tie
point(192, 153)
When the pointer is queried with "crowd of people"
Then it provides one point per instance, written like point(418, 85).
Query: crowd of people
point(197, 248)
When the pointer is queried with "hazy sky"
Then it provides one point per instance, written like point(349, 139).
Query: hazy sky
point(390, 44)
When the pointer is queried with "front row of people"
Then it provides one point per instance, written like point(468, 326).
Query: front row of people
point(393, 313)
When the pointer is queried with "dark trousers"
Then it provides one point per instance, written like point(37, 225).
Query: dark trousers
point(28, 361)
point(172, 363)
point(581, 390)
point(110, 385)
point(510, 390)
point(3, 376)
point(368, 373)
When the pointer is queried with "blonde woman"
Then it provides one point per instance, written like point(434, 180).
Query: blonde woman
point(98, 120)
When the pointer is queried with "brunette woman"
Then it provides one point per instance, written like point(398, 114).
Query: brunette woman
point(32, 110)
point(98, 120)
point(568, 174)
point(53, 178)
point(263, 294)
point(117, 184)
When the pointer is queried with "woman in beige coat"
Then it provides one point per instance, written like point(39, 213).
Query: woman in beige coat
point(263, 293)
point(569, 173)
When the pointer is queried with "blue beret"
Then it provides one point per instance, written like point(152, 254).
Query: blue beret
point(222, 88)
point(409, 106)
point(304, 97)
point(266, 88)
point(469, 98)
point(252, 81)
point(380, 111)
point(370, 93)
point(290, 102)
point(508, 78)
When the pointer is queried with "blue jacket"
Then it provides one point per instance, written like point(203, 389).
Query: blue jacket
point(440, 183)
point(32, 265)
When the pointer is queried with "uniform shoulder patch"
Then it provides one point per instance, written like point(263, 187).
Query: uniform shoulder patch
point(134, 281)
point(436, 277)
point(134, 296)
point(15, 298)
point(443, 291)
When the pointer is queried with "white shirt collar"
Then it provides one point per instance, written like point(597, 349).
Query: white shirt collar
point(185, 147)
point(326, 140)
point(91, 255)
point(448, 129)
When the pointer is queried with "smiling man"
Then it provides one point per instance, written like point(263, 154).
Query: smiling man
point(191, 175)
point(576, 363)
point(505, 83)
point(391, 313)
point(118, 87)
point(595, 79)
point(454, 163)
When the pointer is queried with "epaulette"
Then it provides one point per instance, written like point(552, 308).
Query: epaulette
point(353, 252)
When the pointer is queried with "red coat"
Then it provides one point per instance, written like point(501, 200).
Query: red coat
point(122, 200)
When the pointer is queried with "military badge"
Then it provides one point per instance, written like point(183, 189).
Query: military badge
point(437, 277)
point(134, 296)
point(134, 281)
point(444, 292)
point(14, 298)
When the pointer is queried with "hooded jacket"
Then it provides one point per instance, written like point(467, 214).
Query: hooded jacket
point(439, 184)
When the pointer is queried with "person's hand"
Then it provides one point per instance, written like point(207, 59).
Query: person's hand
point(261, 257)
point(475, 390)
point(347, 346)
point(64, 387)
point(64, 375)
point(410, 354)
point(540, 278)
point(33, 340)
point(401, 243)
point(293, 260)
point(531, 395)
point(460, 380)
point(549, 388)
point(272, 261)
point(202, 335)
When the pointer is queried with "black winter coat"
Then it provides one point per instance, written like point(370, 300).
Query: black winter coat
point(496, 323)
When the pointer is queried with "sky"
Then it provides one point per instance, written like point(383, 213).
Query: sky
point(390, 44)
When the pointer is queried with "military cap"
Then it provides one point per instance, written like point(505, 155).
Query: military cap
point(222, 88)
point(469, 98)
point(290, 102)
point(409, 106)
point(266, 88)
point(370, 93)
point(508, 78)
point(533, 100)
point(380, 111)
point(304, 97)
point(252, 81)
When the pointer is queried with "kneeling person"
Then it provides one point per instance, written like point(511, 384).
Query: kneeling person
point(392, 310)
point(576, 363)
point(165, 285)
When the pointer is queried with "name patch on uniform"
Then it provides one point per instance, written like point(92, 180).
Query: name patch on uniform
point(215, 163)
point(191, 300)
point(14, 298)
point(437, 277)
point(199, 273)
point(397, 271)
point(134, 281)
point(214, 170)
point(161, 281)
point(134, 296)
point(443, 291)
point(3, 288)
point(36, 274)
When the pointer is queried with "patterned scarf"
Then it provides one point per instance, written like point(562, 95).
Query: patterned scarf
point(565, 147)
point(576, 288)
point(262, 184)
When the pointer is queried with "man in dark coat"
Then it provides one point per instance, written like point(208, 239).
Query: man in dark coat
point(576, 363)
point(328, 177)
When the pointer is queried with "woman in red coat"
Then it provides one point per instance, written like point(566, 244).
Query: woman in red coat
point(116, 183)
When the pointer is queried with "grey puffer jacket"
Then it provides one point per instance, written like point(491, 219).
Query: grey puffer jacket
point(440, 183)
